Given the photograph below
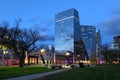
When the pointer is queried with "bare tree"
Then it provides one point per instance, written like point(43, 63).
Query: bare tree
point(19, 40)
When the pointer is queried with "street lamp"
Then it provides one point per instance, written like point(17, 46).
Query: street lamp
point(67, 55)
point(78, 58)
point(41, 54)
point(42, 51)
point(0, 47)
point(78, 55)
point(6, 52)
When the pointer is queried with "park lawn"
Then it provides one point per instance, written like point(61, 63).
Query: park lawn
point(110, 72)
point(8, 72)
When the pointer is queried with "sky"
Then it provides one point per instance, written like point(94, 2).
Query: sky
point(40, 15)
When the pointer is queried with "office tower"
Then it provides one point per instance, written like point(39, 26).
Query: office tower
point(89, 39)
point(67, 32)
point(116, 39)
point(116, 44)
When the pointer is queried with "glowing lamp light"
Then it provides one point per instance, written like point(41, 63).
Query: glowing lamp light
point(78, 55)
point(0, 46)
point(4, 52)
point(67, 54)
point(42, 51)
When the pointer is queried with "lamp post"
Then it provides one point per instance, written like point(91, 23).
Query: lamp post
point(0, 47)
point(6, 53)
point(78, 58)
point(73, 58)
point(41, 54)
point(67, 56)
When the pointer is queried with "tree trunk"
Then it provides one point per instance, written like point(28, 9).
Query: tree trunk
point(21, 59)
point(42, 58)
point(37, 59)
point(28, 60)
point(21, 62)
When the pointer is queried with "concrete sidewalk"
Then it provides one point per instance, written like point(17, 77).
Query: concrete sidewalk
point(35, 76)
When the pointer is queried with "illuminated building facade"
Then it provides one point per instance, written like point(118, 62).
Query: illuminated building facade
point(67, 32)
point(116, 44)
point(89, 39)
point(116, 39)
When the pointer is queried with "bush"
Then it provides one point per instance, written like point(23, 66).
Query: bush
point(53, 67)
point(81, 65)
point(60, 67)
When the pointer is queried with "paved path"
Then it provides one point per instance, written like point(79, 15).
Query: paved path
point(35, 76)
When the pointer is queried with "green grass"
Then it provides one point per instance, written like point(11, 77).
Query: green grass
point(8, 72)
point(111, 72)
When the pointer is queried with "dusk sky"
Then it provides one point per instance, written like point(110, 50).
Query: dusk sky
point(40, 14)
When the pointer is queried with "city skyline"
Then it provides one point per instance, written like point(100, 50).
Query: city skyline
point(104, 15)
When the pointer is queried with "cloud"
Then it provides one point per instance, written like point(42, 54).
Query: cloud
point(46, 38)
point(49, 22)
point(41, 28)
point(45, 28)
point(116, 11)
point(111, 26)
point(35, 19)
point(42, 25)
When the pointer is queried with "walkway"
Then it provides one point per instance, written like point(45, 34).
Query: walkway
point(35, 76)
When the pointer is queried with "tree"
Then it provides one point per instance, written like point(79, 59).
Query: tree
point(115, 55)
point(19, 40)
point(106, 54)
point(110, 55)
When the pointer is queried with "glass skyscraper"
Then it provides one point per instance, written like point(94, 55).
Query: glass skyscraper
point(89, 39)
point(67, 32)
